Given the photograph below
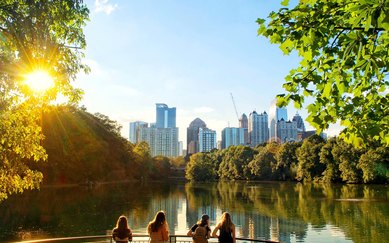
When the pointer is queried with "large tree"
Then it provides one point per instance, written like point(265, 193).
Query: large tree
point(43, 35)
point(343, 45)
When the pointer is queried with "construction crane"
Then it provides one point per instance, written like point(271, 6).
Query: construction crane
point(236, 111)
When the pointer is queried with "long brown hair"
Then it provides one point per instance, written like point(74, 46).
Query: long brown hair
point(203, 221)
point(157, 222)
point(122, 227)
point(226, 222)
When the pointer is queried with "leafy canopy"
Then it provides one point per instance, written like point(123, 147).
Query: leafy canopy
point(343, 45)
point(43, 35)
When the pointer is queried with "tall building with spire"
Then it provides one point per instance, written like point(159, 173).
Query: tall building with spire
point(244, 123)
point(300, 126)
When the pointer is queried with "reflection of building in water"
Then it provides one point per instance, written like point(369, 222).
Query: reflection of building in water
point(171, 205)
point(289, 227)
point(194, 215)
point(254, 225)
point(182, 214)
point(274, 229)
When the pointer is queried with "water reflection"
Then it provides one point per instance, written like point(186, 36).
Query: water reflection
point(279, 211)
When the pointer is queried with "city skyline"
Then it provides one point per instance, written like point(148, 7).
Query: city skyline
point(189, 55)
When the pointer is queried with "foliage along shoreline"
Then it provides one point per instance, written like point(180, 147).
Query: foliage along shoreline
point(87, 149)
point(313, 160)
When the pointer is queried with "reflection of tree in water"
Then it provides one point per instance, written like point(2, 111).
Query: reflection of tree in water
point(258, 206)
point(77, 211)
point(265, 210)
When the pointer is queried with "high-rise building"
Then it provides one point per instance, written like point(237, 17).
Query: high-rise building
point(207, 139)
point(166, 117)
point(162, 141)
point(300, 123)
point(300, 126)
point(287, 130)
point(244, 123)
point(192, 135)
point(233, 136)
point(162, 136)
point(258, 129)
point(275, 115)
point(134, 130)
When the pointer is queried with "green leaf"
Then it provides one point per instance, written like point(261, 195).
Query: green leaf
point(260, 21)
point(327, 90)
point(285, 3)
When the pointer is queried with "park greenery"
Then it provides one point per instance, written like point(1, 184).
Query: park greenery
point(44, 36)
point(85, 149)
point(343, 46)
point(312, 160)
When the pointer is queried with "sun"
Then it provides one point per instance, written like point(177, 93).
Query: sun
point(39, 80)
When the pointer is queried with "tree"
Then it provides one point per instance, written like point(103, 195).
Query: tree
point(331, 172)
point(161, 167)
point(347, 156)
point(287, 160)
point(200, 168)
point(375, 165)
point(343, 45)
point(142, 159)
point(234, 165)
point(309, 166)
point(34, 35)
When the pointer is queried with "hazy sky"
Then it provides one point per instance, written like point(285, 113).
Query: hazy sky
point(188, 54)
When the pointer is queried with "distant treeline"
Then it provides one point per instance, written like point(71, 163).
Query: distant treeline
point(88, 148)
point(314, 159)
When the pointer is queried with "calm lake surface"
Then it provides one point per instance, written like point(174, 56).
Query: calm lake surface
point(287, 212)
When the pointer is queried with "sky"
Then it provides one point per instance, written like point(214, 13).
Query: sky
point(188, 54)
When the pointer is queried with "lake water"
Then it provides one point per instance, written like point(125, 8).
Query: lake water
point(287, 212)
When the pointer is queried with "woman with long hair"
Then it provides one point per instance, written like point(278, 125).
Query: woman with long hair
point(122, 233)
point(158, 228)
point(200, 232)
point(226, 229)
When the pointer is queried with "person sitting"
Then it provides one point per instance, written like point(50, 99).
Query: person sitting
point(158, 228)
point(200, 232)
point(122, 233)
point(226, 229)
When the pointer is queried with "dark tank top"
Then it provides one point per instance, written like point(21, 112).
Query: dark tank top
point(225, 236)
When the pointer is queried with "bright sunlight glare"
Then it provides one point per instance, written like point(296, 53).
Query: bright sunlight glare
point(39, 80)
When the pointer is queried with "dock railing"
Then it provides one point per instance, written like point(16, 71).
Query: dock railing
point(137, 238)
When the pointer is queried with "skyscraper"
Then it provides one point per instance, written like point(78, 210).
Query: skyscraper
point(207, 139)
point(134, 130)
point(192, 135)
point(258, 131)
point(166, 117)
point(243, 123)
point(275, 115)
point(300, 123)
point(233, 136)
point(300, 126)
point(162, 141)
point(287, 130)
point(163, 136)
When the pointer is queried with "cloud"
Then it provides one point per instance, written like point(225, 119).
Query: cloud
point(203, 109)
point(104, 6)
